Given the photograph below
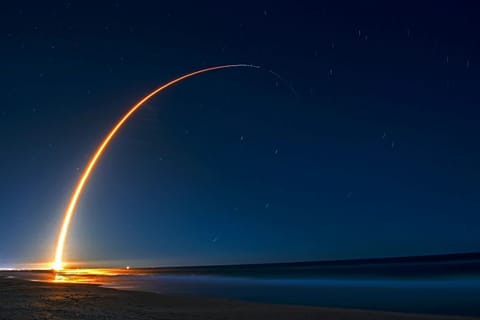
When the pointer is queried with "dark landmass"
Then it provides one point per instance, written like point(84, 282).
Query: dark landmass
point(430, 266)
point(453, 257)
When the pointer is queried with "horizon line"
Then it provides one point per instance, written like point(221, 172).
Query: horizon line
point(458, 256)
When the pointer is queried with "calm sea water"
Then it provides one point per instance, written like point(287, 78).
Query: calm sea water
point(433, 286)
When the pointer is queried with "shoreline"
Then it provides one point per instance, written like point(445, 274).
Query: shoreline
point(23, 299)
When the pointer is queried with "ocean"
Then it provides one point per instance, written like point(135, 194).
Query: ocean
point(446, 285)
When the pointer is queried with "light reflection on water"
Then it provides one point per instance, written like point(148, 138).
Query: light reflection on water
point(111, 278)
point(93, 276)
point(85, 276)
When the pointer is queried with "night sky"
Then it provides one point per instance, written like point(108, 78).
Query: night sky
point(368, 146)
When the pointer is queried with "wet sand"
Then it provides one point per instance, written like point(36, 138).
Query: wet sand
point(21, 299)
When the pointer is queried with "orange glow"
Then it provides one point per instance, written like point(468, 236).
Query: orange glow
point(69, 212)
point(93, 276)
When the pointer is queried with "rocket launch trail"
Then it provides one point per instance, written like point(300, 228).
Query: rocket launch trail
point(87, 171)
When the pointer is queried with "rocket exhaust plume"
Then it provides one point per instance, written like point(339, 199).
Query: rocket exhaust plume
point(69, 212)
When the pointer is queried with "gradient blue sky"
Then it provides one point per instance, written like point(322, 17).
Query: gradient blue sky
point(375, 155)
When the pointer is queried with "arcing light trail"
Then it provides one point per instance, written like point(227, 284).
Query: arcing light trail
point(69, 212)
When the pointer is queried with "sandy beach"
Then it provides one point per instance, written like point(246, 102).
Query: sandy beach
point(20, 299)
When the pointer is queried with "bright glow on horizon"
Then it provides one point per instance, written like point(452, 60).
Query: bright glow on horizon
point(58, 263)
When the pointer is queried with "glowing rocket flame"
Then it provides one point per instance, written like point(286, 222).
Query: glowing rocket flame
point(58, 264)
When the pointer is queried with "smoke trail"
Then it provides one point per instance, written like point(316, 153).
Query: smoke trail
point(69, 212)
point(283, 80)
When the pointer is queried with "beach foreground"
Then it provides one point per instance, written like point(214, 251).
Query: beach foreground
point(21, 299)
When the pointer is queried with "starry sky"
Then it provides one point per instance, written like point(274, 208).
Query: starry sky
point(367, 146)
